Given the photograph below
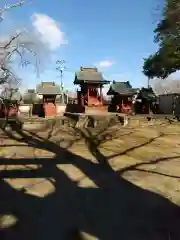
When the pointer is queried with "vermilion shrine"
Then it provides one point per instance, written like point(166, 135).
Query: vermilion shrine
point(91, 84)
point(49, 92)
point(122, 94)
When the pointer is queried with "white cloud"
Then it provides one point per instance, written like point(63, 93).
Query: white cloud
point(105, 64)
point(48, 30)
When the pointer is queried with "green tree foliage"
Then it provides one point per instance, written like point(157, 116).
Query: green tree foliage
point(167, 34)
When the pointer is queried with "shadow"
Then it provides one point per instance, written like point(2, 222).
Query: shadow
point(38, 110)
point(112, 108)
point(109, 208)
point(137, 146)
point(41, 111)
point(154, 161)
point(157, 173)
point(74, 108)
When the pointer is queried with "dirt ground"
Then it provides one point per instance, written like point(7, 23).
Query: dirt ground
point(117, 183)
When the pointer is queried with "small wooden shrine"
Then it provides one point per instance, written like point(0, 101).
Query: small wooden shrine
point(91, 83)
point(49, 92)
point(122, 94)
point(145, 101)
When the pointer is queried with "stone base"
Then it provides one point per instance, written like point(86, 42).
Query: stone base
point(98, 110)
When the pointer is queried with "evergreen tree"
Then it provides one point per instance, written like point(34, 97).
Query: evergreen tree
point(167, 34)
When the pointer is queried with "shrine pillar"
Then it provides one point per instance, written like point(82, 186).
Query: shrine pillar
point(82, 99)
point(101, 95)
point(88, 97)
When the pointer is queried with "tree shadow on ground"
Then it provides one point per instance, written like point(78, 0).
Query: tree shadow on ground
point(114, 209)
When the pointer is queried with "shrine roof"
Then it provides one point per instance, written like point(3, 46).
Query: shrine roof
point(31, 90)
point(146, 93)
point(11, 94)
point(48, 88)
point(89, 75)
point(123, 88)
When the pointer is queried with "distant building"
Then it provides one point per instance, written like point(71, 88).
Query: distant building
point(169, 97)
point(31, 97)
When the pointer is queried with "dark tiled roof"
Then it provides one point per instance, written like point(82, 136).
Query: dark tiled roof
point(48, 88)
point(123, 88)
point(89, 75)
point(11, 94)
point(147, 93)
point(31, 91)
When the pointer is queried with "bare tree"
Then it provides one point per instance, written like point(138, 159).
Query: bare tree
point(18, 48)
point(11, 47)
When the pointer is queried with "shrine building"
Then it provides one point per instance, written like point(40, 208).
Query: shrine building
point(91, 83)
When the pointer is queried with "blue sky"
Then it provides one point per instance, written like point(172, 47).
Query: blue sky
point(112, 35)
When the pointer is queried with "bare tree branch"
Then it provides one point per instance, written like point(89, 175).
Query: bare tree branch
point(7, 7)
point(19, 45)
point(22, 47)
point(8, 44)
point(11, 48)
